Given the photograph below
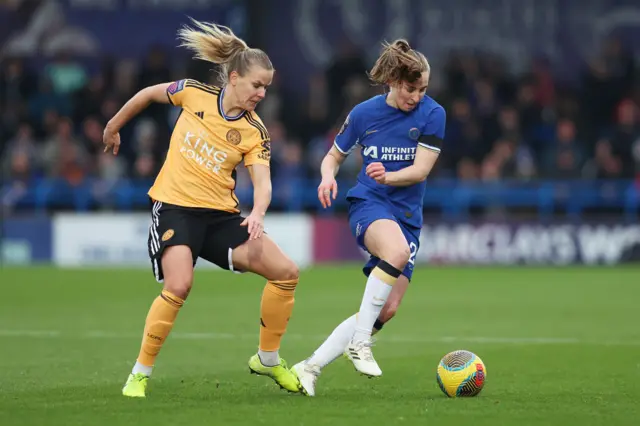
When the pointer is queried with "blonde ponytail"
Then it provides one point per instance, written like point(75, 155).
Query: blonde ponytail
point(211, 42)
point(219, 45)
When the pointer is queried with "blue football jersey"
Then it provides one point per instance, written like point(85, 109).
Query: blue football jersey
point(392, 136)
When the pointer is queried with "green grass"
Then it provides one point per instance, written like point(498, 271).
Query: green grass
point(561, 346)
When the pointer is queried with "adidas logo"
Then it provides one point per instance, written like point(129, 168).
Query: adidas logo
point(200, 114)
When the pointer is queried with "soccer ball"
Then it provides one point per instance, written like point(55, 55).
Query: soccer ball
point(461, 373)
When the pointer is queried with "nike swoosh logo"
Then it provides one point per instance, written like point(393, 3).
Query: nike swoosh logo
point(368, 132)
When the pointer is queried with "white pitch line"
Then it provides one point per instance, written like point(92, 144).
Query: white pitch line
point(102, 334)
point(29, 333)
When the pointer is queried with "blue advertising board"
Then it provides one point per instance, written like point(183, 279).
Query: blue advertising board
point(26, 240)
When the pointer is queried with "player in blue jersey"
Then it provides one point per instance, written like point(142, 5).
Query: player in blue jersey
point(400, 134)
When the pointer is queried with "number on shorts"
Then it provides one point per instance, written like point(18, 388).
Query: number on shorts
point(413, 247)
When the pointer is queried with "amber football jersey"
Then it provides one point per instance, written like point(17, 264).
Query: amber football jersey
point(205, 149)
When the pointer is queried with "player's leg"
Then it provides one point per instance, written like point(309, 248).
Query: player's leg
point(361, 216)
point(395, 297)
point(171, 246)
point(403, 252)
point(385, 240)
point(265, 258)
point(309, 370)
point(227, 245)
point(393, 303)
point(337, 342)
point(177, 269)
point(401, 285)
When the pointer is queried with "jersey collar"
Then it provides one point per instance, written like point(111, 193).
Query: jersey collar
point(221, 110)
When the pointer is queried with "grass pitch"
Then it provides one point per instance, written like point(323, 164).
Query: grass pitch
point(561, 346)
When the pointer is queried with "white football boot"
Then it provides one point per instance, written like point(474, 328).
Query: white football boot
point(360, 354)
point(307, 374)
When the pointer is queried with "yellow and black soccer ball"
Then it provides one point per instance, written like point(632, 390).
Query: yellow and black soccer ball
point(461, 373)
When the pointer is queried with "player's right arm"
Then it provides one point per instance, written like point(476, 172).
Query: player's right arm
point(328, 187)
point(158, 93)
point(345, 141)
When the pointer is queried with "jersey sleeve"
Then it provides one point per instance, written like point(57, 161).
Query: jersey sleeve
point(180, 91)
point(349, 134)
point(433, 131)
point(260, 153)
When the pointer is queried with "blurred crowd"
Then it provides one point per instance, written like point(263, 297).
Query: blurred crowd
point(499, 125)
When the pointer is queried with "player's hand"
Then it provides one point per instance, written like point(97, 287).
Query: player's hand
point(255, 225)
point(377, 172)
point(327, 190)
point(111, 141)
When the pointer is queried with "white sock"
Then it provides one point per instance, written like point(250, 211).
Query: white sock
point(335, 344)
point(375, 296)
point(268, 358)
point(140, 368)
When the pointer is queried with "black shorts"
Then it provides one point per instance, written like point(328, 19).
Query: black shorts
point(210, 234)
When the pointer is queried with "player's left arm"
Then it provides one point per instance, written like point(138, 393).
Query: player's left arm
point(261, 179)
point(257, 160)
point(427, 153)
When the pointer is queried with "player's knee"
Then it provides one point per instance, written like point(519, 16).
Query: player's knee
point(399, 257)
point(290, 271)
point(177, 266)
point(286, 270)
point(180, 285)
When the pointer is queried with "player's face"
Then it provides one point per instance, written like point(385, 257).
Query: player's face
point(407, 95)
point(251, 88)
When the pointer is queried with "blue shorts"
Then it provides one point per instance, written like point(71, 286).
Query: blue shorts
point(363, 213)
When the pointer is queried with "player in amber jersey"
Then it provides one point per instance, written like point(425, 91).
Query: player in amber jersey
point(206, 147)
point(194, 209)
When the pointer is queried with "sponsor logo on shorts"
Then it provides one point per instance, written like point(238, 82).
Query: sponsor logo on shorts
point(167, 235)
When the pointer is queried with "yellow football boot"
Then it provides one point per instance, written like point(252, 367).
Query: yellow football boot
point(136, 385)
point(279, 373)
